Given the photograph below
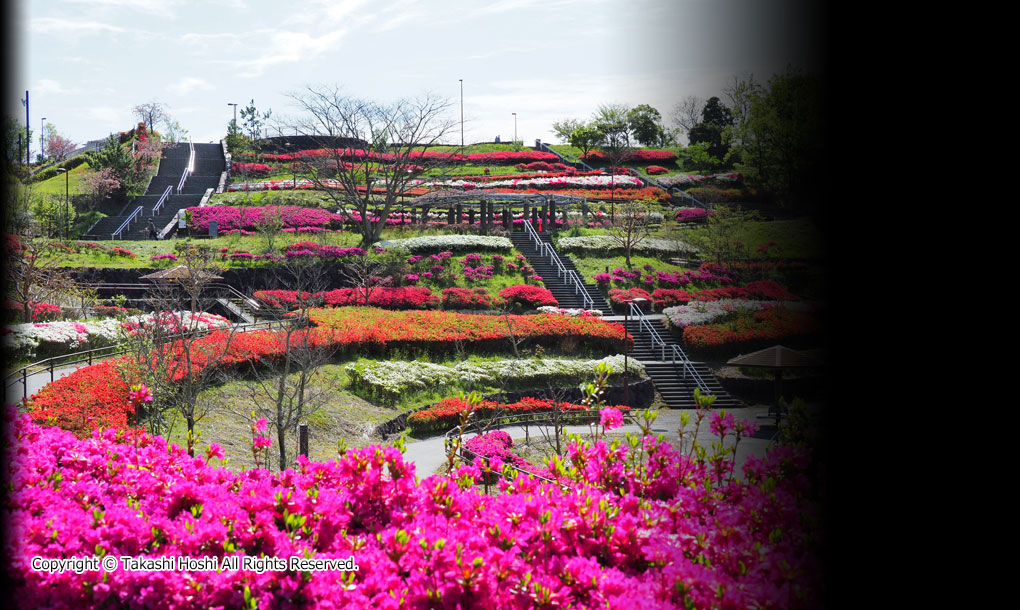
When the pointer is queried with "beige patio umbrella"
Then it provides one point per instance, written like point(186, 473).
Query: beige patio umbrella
point(776, 358)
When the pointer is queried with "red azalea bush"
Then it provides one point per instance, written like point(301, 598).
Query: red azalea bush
point(751, 332)
point(403, 297)
point(446, 413)
point(466, 298)
point(763, 290)
point(655, 170)
point(619, 297)
point(91, 397)
point(511, 158)
point(249, 218)
point(637, 156)
point(41, 312)
point(123, 252)
point(254, 169)
point(528, 296)
point(287, 299)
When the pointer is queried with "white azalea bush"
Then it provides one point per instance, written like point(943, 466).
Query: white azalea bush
point(697, 313)
point(590, 182)
point(603, 244)
point(390, 380)
point(50, 339)
point(443, 243)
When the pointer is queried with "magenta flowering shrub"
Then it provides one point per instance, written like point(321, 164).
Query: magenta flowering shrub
point(249, 218)
point(654, 529)
point(494, 448)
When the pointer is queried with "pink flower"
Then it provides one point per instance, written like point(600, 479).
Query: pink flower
point(611, 419)
point(260, 425)
point(262, 441)
point(140, 394)
point(214, 451)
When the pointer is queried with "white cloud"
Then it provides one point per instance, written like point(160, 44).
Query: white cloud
point(55, 25)
point(155, 7)
point(106, 114)
point(188, 84)
point(45, 85)
point(289, 47)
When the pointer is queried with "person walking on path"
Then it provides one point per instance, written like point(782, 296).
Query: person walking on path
point(152, 229)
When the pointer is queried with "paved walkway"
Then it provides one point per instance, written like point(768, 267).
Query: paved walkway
point(429, 454)
point(13, 390)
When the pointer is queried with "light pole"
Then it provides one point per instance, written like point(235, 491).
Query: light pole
point(67, 202)
point(626, 347)
point(515, 126)
point(461, 112)
point(235, 113)
point(42, 127)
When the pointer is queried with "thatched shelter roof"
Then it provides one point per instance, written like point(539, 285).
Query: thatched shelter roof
point(181, 272)
point(776, 357)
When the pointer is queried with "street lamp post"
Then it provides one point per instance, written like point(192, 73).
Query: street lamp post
point(626, 347)
point(515, 126)
point(42, 127)
point(235, 113)
point(461, 112)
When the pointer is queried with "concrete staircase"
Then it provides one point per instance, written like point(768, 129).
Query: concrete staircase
point(676, 388)
point(564, 292)
point(209, 164)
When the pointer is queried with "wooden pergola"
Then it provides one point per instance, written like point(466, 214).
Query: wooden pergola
point(191, 280)
point(494, 209)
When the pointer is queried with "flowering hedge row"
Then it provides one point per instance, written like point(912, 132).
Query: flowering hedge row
point(446, 413)
point(390, 380)
point(595, 245)
point(634, 156)
point(230, 217)
point(748, 333)
point(41, 312)
point(466, 298)
point(352, 154)
point(609, 536)
point(451, 243)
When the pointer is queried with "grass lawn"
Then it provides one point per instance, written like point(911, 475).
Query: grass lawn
point(56, 185)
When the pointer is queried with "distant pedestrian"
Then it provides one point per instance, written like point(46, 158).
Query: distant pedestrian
point(152, 229)
point(497, 139)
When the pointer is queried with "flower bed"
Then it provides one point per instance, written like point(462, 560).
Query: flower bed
point(747, 333)
point(570, 311)
point(445, 414)
point(404, 297)
point(250, 218)
point(710, 312)
point(638, 156)
point(760, 290)
point(451, 243)
point(609, 536)
point(38, 340)
point(41, 312)
point(466, 298)
point(604, 245)
point(390, 380)
point(360, 331)
point(528, 296)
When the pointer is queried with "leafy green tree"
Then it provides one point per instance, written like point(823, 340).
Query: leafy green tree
point(253, 122)
point(698, 157)
point(645, 123)
point(564, 128)
point(585, 137)
point(116, 158)
point(716, 113)
point(782, 138)
point(612, 121)
point(712, 136)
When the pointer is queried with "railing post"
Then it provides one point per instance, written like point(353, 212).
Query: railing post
point(303, 440)
point(24, 384)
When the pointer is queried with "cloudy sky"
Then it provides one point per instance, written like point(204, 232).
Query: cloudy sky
point(86, 63)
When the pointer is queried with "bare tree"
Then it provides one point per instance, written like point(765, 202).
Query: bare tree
point(286, 391)
point(33, 277)
point(687, 113)
point(152, 112)
point(629, 228)
point(372, 151)
point(173, 355)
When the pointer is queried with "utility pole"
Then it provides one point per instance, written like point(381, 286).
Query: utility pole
point(461, 112)
point(28, 140)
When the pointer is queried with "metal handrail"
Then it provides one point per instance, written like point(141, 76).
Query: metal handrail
point(162, 200)
point(189, 169)
point(127, 223)
point(675, 353)
point(569, 276)
point(546, 147)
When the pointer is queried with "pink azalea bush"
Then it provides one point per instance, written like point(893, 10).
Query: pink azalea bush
point(652, 527)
